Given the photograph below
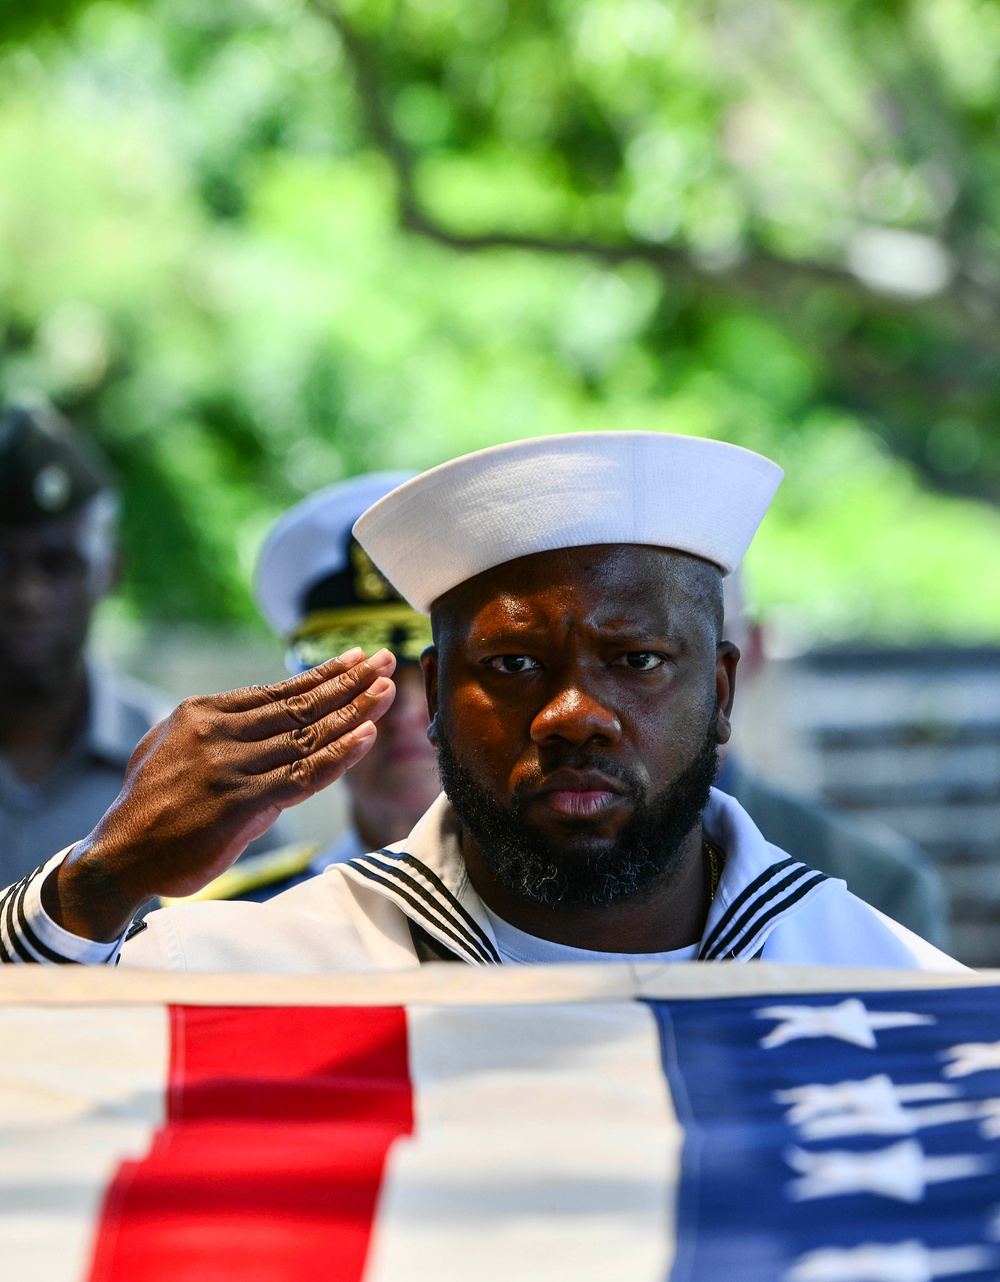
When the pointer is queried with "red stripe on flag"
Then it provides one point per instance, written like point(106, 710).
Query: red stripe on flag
point(279, 1122)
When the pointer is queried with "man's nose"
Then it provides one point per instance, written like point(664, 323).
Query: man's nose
point(575, 715)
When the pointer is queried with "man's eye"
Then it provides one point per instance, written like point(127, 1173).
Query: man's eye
point(513, 663)
point(641, 660)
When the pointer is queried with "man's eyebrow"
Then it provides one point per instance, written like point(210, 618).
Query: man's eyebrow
point(661, 626)
point(521, 631)
point(512, 633)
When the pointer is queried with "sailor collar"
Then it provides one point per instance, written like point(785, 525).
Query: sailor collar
point(426, 878)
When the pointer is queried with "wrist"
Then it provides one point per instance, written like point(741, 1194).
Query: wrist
point(86, 899)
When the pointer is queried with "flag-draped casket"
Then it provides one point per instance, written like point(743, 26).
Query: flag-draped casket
point(626, 1124)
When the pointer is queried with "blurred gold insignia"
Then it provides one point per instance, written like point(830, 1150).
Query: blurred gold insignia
point(369, 584)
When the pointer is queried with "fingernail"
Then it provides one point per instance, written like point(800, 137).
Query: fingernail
point(364, 731)
point(354, 655)
point(380, 686)
point(383, 659)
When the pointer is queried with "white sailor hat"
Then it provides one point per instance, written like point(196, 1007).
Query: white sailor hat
point(449, 524)
point(317, 586)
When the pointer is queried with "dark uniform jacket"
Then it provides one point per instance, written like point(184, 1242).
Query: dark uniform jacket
point(38, 818)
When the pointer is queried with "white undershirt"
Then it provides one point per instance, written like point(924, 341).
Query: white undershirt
point(517, 946)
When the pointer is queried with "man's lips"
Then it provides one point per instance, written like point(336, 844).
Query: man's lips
point(579, 794)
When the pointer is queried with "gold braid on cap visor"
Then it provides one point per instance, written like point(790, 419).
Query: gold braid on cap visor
point(327, 633)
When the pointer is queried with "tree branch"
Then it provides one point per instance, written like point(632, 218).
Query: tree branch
point(968, 307)
point(860, 378)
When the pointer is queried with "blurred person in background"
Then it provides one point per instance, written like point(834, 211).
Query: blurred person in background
point(319, 590)
point(68, 725)
point(880, 866)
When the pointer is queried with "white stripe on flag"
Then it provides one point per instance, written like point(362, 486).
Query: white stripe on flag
point(80, 1091)
point(546, 1147)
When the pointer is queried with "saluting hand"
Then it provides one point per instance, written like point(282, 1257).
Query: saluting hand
point(209, 779)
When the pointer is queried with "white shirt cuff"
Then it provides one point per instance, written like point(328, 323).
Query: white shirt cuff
point(28, 933)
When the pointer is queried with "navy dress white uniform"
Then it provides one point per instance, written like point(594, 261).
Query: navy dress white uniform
point(320, 592)
point(393, 909)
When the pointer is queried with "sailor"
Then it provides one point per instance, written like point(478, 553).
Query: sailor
point(579, 687)
point(68, 724)
point(319, 590)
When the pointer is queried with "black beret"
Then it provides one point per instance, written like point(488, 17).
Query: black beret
point(47, 468)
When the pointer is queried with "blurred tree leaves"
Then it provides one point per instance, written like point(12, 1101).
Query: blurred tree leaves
point(19, 20)
point(259, 245)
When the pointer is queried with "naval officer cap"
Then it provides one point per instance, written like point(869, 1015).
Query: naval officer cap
point(318, 588)
point(48, 470)
point(686, 493)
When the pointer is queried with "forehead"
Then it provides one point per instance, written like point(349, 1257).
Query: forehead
point(600, 582)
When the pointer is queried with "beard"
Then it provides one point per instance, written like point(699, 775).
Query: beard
point(647, 851)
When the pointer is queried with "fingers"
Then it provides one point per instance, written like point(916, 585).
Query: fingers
point(301, 779)
point(304, 707)
point(313, 737)
point(253, 698)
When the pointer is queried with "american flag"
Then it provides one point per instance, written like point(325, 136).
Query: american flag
point(698, 1123)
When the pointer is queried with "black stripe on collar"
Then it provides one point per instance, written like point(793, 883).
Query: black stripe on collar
point(454, 903)
point(438, 896)
point(727, 942)
point(747, 893)
point(774, 897)
point(751, 941)
point(415, 911)
point(439, 909)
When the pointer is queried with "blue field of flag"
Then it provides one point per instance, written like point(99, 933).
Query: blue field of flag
point(837, 1138)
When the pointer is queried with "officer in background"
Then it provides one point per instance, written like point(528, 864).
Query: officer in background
point(318, 589)
point(67, 728)
point(880, 866)
point(67, 725)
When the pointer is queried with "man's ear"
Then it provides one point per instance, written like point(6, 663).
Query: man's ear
point(429, 665)
point(727, 657)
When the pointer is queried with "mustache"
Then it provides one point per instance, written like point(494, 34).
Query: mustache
point(630, 782)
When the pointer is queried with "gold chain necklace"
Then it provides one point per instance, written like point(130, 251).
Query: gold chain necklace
point(716, 862)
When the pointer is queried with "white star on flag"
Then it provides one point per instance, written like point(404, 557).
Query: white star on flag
point(989, 1111)
point(849, 1020)
point(902, 1171)
point(871, 1107)
point(972, 1057)
point(903, 1262)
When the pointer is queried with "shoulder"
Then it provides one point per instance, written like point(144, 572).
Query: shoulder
point(322, 924)
point(258, 877)
point(772, 906)
point(882, 867)
point(836, 928)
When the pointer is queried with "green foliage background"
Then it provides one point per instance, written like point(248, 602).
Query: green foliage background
point(259, 245)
